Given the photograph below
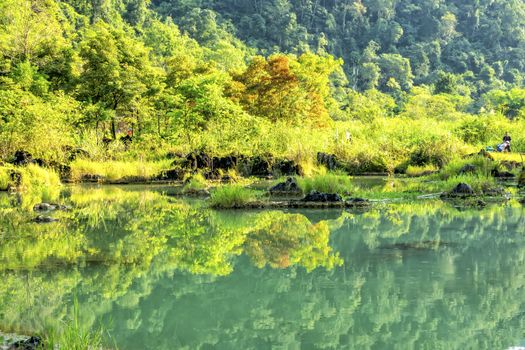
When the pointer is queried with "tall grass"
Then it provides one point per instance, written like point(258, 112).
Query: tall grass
point(482, 167)
point(327, 183)
point(415, 171)
point(232, 196)
point(5, 178)
point(118, 170)
point(196, 183)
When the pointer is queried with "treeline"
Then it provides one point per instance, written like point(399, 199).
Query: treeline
point(76, 76)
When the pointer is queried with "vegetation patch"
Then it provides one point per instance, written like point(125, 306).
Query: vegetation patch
point(118, 171)
point(232, 196)
point(330, 182)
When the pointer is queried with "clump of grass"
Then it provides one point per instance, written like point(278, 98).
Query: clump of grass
point(479, 183)
point(118, 170)
point(328, 183)
point(232, 196)
point(36, 184)
point(195, 184)
point(416, 171)
point(481, 167)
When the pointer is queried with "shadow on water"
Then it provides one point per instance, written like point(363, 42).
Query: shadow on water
point(170, 273)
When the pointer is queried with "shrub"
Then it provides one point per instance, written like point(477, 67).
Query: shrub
point(232, 196)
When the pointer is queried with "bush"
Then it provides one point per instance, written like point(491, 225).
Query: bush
point(232, 196)
point(327, 183)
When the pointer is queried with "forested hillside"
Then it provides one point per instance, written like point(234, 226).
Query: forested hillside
point(412, 41)
point(379, 84)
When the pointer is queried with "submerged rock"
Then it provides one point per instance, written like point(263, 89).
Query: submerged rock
point(42, 219)
point(290, 186)
point(316, 196)
point(31, 343)
point(43, 207)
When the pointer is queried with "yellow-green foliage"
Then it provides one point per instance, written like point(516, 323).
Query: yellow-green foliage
point(117, 170)
point(414, 171)
point(327, 183)
point(5, 178)
point(231, 196)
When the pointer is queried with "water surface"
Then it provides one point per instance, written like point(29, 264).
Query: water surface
point(162, 272)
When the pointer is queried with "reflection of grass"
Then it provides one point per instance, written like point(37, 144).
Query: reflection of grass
point(74, 336)
point(115, 170)
point(327, 183)
point(231, 196)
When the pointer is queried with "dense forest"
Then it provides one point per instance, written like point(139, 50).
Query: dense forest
point(378, 83)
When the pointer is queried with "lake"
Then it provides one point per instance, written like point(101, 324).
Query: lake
point(164, 272)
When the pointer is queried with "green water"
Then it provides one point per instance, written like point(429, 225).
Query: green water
point(161, 272)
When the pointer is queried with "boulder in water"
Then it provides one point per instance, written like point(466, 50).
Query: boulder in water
point(289, 187)
point(461, 190)
point(316, 196)
point(41, 219)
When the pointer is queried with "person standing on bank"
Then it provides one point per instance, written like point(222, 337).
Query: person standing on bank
point(506, 140)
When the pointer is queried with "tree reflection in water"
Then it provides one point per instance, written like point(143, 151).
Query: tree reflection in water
point(169, 273)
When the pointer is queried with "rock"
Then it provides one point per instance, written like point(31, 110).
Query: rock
point(32, 343)
point(358, 201)
point(41, 219)
point(502, 174)
point(214, 174)
point(328, 160)
point(288, 187)
point(316, 196)
point(461, 190)
point(468, 168)
point(261, 166)
point(172, 175)
point(287, 168)
point(43, 207)
point(224, 163)
point(198, 160)
point(22, 158)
